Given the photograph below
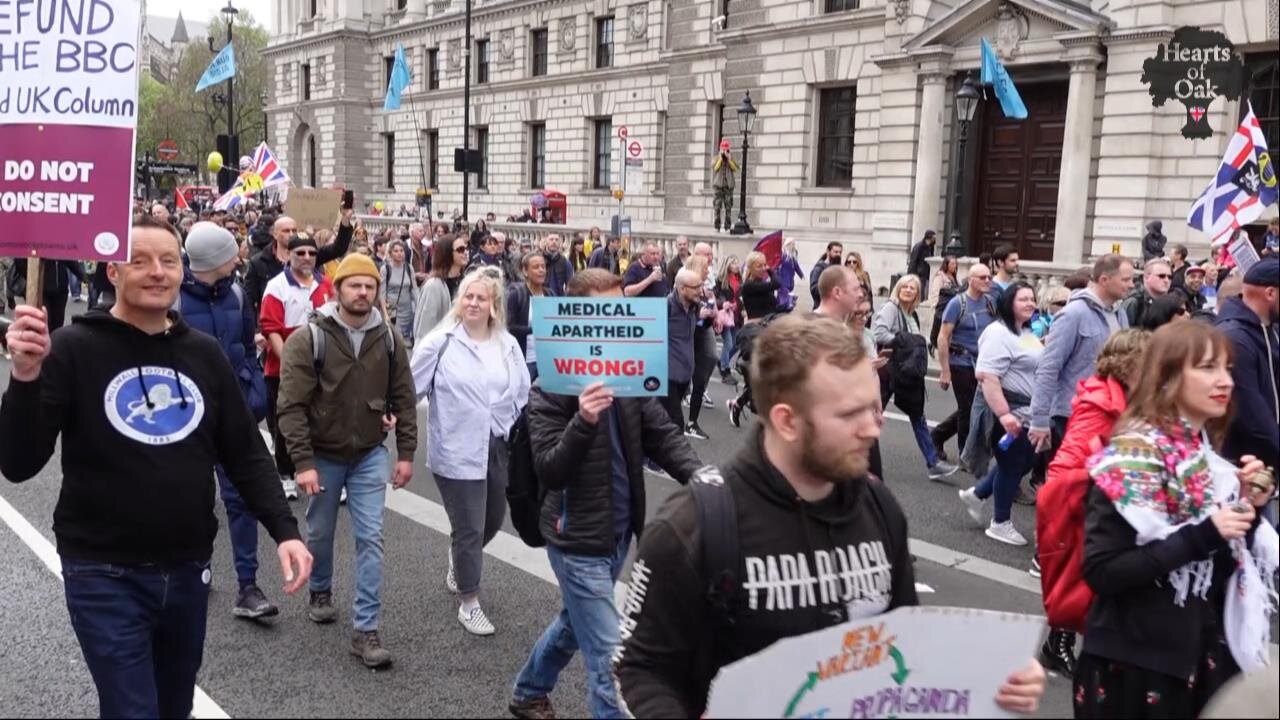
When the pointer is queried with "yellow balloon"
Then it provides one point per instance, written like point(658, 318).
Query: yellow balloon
point(378, 206)
point(215, 161)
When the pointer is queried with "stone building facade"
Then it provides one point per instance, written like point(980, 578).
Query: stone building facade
point(856, 137)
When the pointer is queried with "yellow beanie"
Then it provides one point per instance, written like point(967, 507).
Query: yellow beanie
point(356, 264)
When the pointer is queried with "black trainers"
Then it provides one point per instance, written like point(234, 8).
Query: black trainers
point(368, 647)
point(735, 413)
point(1058, 655)
point(694, 431)
point(320, 609)
point(534, 709)
point(252, 604)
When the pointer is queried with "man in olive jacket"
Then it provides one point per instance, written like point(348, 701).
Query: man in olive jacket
point(588, 451)
point(341, 391)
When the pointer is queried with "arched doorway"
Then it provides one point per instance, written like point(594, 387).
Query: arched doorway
point(304, 163)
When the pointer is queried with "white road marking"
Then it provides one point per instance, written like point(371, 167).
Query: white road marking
point(922, 588)
point(203, 705)
point(905, 419)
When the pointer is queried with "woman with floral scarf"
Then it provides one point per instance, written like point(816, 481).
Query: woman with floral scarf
point(1179, 564)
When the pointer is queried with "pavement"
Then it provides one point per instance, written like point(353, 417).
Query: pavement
point(290, 667)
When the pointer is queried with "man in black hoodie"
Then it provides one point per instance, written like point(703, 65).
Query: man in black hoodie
point(800, 498)
point(145, 408)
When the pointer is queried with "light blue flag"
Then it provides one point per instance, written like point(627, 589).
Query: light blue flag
point(222, 68)
point(399, 80)
point(994, 74)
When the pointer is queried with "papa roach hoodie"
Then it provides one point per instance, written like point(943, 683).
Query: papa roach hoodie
point(143, 419)
point(805, 566)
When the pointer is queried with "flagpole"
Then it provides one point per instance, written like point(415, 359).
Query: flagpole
point(422, 172)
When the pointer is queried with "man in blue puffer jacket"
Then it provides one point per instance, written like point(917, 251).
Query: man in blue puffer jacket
point(211, 302)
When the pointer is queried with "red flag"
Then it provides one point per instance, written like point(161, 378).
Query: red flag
point(771, 246)
point(180, 200)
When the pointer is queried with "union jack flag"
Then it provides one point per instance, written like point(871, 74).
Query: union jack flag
point(1244, 186)
point(266, 173)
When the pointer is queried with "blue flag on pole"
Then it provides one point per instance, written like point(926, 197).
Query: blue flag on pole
point(399, 80)
point(222, 68)
point(994, 74)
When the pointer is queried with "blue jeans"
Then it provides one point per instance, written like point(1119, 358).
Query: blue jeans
point(73, 284)
point(588, 620)
point(366, 484)
point(1004, 478)
point(243, 527)
point(920, 428)
point(141, 629)
point(728, 345)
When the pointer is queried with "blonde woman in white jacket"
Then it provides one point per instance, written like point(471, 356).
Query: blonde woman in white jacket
point(472, 370)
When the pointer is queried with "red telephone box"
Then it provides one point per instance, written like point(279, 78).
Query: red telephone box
point(550, 206)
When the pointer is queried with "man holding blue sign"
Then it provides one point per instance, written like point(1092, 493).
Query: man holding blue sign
point(588, 453)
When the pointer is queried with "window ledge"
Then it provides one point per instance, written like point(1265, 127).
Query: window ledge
point(595, 191)
point(825, 191)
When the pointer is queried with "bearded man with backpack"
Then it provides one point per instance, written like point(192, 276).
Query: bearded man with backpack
point(344, 383)
point(705, 590)
point(588, 454)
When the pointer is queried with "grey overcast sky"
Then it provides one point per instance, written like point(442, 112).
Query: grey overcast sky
point(202, 10)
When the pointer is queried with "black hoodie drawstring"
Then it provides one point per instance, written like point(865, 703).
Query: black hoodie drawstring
point(145, 395)
point(177, 380)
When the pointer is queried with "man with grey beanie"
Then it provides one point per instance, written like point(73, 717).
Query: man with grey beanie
point(211, 302)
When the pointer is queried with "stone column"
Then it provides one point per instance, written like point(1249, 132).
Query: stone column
point(924, 205)
point(1077, 151)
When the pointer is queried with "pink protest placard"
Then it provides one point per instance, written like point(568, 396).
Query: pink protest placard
point(68, 113)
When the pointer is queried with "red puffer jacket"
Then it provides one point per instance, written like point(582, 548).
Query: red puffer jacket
point(1060, 503)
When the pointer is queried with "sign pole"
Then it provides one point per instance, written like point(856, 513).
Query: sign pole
point(35, 278)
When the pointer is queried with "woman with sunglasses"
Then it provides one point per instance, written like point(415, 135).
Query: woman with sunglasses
point(1178, 561)
point(1051, 303)
point(492, 254)
point(1170, 307)
point(448, 261)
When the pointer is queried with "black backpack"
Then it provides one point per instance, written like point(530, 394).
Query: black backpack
point(524, 492)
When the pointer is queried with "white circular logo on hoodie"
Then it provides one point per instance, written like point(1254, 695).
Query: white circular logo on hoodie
point(161, 408)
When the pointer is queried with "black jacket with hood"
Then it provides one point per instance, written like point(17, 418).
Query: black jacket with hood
point(1255, 429)
point(1154, 241)
point(806, 566)
point(574, 462)
point(143, 419)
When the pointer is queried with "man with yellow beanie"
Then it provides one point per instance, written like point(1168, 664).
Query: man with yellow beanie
point(344, 383)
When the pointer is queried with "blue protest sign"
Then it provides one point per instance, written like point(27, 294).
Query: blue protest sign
point(620, 341)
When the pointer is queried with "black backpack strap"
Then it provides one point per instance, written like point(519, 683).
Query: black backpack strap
point(439, 356)
point(721, 552)
point(389, 341)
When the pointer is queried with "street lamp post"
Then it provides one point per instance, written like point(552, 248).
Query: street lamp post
point(747, 119)
point(231, 12)
point(967, 98)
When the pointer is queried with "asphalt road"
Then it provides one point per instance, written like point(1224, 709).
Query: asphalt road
point(290, 667)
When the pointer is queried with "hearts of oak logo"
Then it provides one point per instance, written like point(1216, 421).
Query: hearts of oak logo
point(1195, 67)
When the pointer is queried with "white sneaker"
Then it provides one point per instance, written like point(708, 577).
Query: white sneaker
point(973, 504)
point(475, 622)
point(451, 580)
point(290, 487)
point(1006, 533)
point(342, 498)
